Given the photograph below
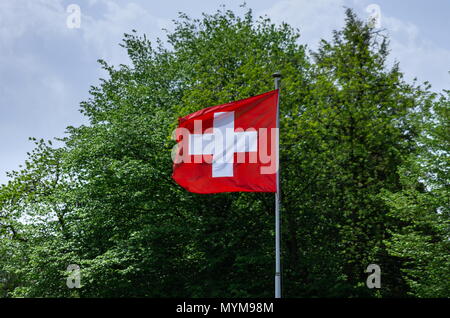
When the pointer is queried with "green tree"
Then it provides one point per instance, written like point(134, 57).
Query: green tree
point(105, 200)
point(423, 207)
point(132, 230)
point(355, 127)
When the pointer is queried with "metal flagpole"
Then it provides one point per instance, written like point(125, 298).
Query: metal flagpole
point(277, 77)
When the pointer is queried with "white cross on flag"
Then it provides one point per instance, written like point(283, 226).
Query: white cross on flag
point(229, 148)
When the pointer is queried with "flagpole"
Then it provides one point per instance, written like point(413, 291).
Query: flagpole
point(277, 77)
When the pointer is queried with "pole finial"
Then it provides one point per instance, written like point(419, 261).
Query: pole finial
point(277, 79)
point(276, 75)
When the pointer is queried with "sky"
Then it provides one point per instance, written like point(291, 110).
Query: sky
point(48, 57)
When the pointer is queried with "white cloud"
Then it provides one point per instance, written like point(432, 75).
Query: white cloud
point(418, 56)
point(315, 19)
point(46, 68)
point(18, 18)
point(104, 33)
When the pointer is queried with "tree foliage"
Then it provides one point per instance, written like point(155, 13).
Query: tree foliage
point(364, 159)
point(423, 207)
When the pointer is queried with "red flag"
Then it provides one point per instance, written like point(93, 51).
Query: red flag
point(229, 148)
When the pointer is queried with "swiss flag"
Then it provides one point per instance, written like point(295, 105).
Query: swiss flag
point(230, 147)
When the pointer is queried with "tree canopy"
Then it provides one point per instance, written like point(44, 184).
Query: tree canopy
point(364, 175)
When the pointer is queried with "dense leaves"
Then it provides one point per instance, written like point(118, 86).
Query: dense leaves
point(364, 177)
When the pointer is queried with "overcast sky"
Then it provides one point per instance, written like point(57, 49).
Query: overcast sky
point(46, 68)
